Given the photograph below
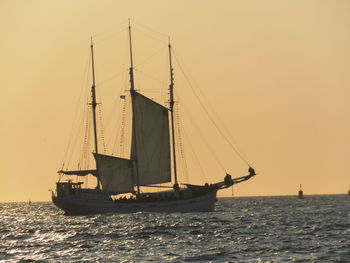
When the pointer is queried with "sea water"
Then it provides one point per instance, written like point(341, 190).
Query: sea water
point(249, 229)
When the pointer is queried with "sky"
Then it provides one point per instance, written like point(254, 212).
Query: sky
point(274, 74)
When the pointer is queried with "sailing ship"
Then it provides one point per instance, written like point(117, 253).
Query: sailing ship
point(150, 164)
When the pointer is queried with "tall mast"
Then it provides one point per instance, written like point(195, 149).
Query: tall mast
point(93, 105)
point(132, 91)
point(171, 101)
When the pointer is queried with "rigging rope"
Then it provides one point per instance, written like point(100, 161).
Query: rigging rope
point(103, 82)
point(128, 126)
point(101, 128)
point(111, 29)
point(180, 144)
point(207, 102)
point(102, 40)
point(84, 156)
point(75, 141)
point(195, 158)
point(123, 129)
point(114, 131)
point(205, 141)
point(149, 58)
point(76, 116)
point(210, 117)
point(149, 35)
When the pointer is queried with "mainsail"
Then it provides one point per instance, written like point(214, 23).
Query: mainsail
point(151, 136)
point(114, 173)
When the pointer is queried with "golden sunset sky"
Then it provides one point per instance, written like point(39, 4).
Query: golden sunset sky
point(277, 74)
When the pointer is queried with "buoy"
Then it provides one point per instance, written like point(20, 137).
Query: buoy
point(300, 193)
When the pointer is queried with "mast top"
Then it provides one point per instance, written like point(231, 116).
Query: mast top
point(130, 46)
point(93, 71)
point(131, 70)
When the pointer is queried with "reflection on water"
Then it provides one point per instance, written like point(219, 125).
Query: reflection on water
point(254, 229)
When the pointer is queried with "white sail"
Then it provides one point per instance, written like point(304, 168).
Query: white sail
point(114, 173)
point(151, 136)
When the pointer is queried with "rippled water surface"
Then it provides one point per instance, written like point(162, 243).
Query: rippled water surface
point(252, 229)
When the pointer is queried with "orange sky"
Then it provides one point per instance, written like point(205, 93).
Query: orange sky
point(277, 73)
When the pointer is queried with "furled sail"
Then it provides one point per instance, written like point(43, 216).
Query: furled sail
point(151, 136)
point(78, 172)
point(114, 173)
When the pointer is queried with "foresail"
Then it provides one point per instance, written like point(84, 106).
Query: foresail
point(114, 173)
point(151, 136)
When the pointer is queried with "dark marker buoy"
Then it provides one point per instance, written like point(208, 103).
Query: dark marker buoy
point(300, 194)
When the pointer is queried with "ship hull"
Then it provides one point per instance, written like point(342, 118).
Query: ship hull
point(80, 206)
